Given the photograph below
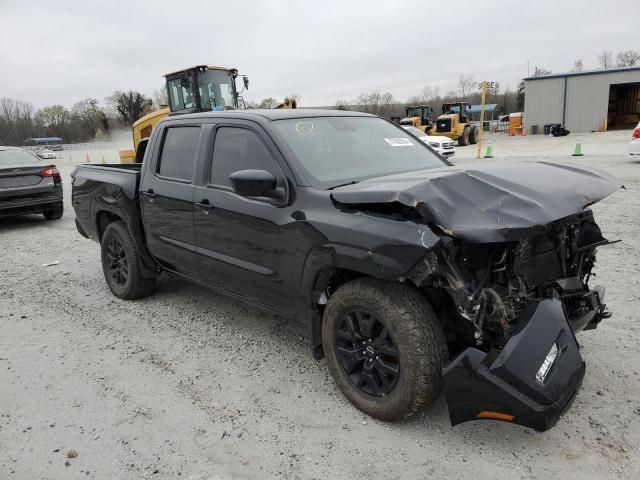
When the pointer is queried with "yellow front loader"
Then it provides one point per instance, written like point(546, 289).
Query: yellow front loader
point(197, 89)
point(419, 116)
point(456, 124)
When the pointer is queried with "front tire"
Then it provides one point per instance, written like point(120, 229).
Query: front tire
point(121, 264)
point(473, 136)
point(384, 346)
point(463, 140)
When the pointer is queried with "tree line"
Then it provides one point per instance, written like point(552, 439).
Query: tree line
point(386, 105)
point(86, 120)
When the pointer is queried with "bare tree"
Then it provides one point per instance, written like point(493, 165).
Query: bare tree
point(520, 96)
point(628, 58)
point(466, 85)
point(269, 102)
point(374, 102)
point(424, 97)
point(52, 116)
point(577, 66)
point(130, 106)
point(605, 59)
point(16, 121)
point(90, 117)
point(541, 72)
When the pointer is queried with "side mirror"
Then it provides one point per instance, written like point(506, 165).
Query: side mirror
point(245, 80)
point(255, 183)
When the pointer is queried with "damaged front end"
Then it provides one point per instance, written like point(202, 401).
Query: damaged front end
point(519, 304)
point(509, 276)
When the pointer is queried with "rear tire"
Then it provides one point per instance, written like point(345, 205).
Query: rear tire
point(121, 264)
point(54, 213)
point(463, 140)
point(397, 370)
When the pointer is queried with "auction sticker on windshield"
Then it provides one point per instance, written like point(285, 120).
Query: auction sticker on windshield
point(399, 142)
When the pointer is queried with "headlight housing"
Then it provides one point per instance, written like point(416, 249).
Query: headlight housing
point(434, 145)
point(548, 362)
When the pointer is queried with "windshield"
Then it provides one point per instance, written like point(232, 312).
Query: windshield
point(216, 89)
point(338, 150)
point(17, 157)
point(414, 112)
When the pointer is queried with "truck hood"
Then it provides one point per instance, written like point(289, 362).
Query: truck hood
point(490, 203)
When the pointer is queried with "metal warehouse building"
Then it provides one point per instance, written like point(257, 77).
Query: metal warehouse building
point(590, 101)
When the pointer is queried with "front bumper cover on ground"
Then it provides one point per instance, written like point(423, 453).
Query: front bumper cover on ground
point(503, 382)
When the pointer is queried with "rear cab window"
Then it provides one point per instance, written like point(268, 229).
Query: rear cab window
point(178, 153)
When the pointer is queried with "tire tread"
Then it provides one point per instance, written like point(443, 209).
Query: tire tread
point(139, 286)
point(417, 324)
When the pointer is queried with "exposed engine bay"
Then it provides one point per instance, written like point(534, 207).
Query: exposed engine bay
point(491, 284)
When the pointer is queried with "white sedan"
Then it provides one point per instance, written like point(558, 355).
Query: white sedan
point(443, 145)
point(45, 153)
point(634, 145)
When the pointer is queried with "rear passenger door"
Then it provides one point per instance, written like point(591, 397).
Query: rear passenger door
point(246, 246)
point(166, 198)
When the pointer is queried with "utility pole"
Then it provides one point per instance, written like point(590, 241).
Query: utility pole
point(483, 86)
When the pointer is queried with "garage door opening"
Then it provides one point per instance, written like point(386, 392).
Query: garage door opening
point(624, 106)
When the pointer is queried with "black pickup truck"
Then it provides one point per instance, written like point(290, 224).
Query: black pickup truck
point(410, 275)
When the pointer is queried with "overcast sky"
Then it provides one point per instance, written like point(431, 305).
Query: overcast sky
point(324, 50)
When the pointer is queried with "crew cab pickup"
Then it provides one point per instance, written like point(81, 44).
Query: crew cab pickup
point(410, 275)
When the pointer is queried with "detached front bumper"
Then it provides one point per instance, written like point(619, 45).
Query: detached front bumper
point(502, 384)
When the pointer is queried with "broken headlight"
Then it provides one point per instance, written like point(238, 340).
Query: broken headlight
point(547, 364)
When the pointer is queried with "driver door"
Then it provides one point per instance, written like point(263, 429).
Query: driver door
point(246, 246)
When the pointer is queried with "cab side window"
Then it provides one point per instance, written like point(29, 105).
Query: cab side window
point(179, 152)
point(238, 149)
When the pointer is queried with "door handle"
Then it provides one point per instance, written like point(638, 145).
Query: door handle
point(205, 205)
point(149, 193)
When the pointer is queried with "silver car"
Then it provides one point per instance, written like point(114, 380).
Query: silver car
point(45, 153)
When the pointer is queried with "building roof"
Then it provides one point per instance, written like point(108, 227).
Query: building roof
point(585, 72)
point(488, 107)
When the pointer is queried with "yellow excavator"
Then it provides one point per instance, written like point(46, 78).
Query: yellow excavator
point(201, 88)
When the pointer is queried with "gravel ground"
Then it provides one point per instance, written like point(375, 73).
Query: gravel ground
point(189, 384)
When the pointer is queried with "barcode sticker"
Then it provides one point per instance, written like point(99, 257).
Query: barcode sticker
point(399, 142)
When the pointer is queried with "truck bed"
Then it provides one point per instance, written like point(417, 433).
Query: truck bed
point(110, 188)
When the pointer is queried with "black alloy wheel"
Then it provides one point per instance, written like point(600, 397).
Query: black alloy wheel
point(367, 353)
point(117, 259)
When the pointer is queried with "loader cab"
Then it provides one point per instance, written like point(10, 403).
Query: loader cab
point(203, 89)
point(458, 108)
point(419, 116)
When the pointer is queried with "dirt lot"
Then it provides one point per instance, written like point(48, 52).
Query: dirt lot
point(189, 384)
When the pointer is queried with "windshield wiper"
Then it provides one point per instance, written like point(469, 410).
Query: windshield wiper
point(352, 182)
